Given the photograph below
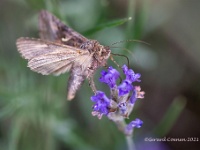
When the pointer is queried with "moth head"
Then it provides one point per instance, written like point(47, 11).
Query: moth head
point(105, 52)
point(94, 47)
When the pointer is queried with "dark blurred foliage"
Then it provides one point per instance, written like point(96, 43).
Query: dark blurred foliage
point(34, 113)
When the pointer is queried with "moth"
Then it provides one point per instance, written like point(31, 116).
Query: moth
point(60, 49)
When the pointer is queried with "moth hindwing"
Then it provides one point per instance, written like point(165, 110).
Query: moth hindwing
point(61, 49)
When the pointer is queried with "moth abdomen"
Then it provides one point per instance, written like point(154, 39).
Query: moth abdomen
point(76, 79)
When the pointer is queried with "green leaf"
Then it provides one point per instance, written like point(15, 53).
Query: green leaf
point(113, 23)
point(170, 116)
point(36, 4)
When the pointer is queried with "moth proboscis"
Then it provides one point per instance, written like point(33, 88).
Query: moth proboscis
point(60, 49)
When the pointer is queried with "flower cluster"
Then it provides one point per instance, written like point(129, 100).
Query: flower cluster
point(122, 98)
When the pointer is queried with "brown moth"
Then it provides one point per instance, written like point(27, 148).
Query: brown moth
point(60, 49)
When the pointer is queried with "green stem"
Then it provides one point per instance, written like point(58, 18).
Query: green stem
point(130, 143)
point(121, 126)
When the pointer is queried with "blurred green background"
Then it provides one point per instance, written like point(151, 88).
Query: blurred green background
point(34, 113)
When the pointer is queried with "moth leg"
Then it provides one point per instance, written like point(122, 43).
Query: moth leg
point(114, 61)
point(106, 66)
point(92, 84)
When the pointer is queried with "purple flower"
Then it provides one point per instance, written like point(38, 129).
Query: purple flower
point(130, 75)
point(102, 103)
point(122, 107)
point(110, 77)
point(122, 98)
point(125, 87)
point(133, 97)
point(137, 123)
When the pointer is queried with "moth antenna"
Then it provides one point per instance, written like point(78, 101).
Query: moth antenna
point(124, 49)
point(131, 53)
point(123, 41)
point(119, 55)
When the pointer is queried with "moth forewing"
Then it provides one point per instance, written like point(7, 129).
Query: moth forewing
point(48, 26)
point(51, 28)
point(84, 61)
point(48, 57)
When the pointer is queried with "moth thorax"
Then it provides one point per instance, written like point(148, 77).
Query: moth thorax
point(105, 51)
point(89, 45)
